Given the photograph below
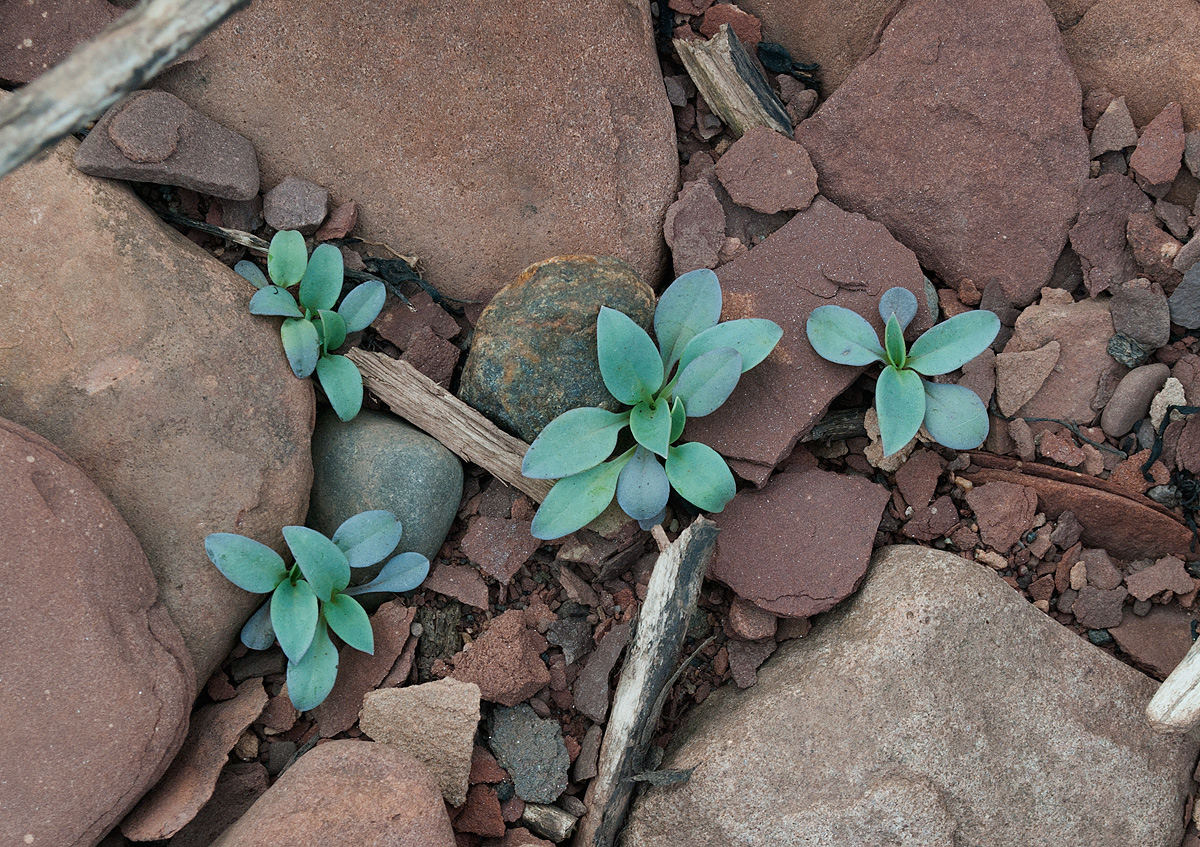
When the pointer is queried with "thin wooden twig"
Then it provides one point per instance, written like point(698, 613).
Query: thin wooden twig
point(661, 627)
point(427, 406)
point(96, 75)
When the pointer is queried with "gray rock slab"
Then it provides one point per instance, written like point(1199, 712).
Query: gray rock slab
point(938, 708)
point(532, 751)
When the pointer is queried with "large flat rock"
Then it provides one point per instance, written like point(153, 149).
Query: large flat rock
point(936, 708)
point(481, 136)
point(133, 351)
point(95, 683)
point(968, 161)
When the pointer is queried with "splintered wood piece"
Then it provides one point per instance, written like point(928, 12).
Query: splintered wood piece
point(550, 821)
point(78, 89)
point(1176, 705)
point(730, 83)
point(465, 432)
point(661, 627)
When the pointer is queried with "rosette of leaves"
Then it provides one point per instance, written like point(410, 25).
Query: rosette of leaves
point(313, 597)
point(312, 329)
point(689, 373)
point(953, 414)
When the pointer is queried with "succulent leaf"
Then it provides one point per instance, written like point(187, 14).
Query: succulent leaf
point(274, 300)
point(310, 680)
point(689, 306)
point(753, 338)
point(700, 476)
point(575, 501)
point(900, 406)
point(573, 442)
point(362, 305)
point(331, 329)
point(294, 617)
point(258, 634)
point(707, 381)
point(843, 336)
point(252, 273)
point(899, 302)
point(642, 486)
point(402, 573)
point(349, 620)
point(322, 283)
point(323, 564)
point(893, 337)
point(301, 344)
point(249, 565)
point(955, 416)
point(368, 537)
point(650, 423)
point(678, 419)
point(342, 384)
point(629, 361)
point(953, 342)
point(287, 257)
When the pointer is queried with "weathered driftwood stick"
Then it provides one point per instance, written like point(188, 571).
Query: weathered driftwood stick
point(1176, 705)
point(549, 821)
point(730, 83)
point(468, 434)
point(124, 56)
point(661, 627)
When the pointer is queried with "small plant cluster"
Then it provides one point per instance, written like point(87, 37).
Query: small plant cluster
point(953, 414)
point(692, 370)
point(312, 597)
point(312, 329)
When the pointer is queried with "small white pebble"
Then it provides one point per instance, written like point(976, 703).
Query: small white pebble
point(1042, 605)
point(992, 559)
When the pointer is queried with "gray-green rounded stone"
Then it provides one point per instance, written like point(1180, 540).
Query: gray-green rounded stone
point(378, 461)
point(534, 352)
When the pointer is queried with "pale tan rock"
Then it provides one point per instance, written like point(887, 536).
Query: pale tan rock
point(1019, 376)
point(434, 723)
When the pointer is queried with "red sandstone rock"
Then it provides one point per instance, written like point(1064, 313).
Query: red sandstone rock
point(1157, 641)
point(499, 546)
point(694, 227)
point(1098, 235)
point(1003, 511)
point(918, 477)
point(505, 662)
point(1159, 151)
point(481, 813)
point(768, 172)
point(747, 27)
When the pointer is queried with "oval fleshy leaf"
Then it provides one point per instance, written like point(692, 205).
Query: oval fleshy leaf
point(331, 329)
point(322, 563)
point(642, 486)
point(701, 476)
point(287, 257)
point(650, 523)
point(708, 380)
point(249, 565)
point(362, 305)
point(258, 634)
point(843, 336)
point(953, 342)
point(349, 620)
point(342, 384)
point(274, 300)
point(650, 424)
point(690, 305)
point(573, 442)
point(294, 617)
point(678, 419)
point(368, 537)
point(302, 345)
point(900, 406)
point(955, 416)
point(753, 338)
point(893, 340)
point(310, 680)
point(322, 283)
point(629, 362)
point(575, 501)
point(403, 573)
point(899, 302)
point(252, 273)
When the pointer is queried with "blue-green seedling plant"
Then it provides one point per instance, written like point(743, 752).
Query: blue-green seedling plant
point(953, 414)
point(313, 596)
point(312, 329)
point(693, 369)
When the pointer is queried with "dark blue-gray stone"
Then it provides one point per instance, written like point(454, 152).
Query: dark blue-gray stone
point(378, 461)
point(533, 356)
point(1184, 302)
point(532, 751)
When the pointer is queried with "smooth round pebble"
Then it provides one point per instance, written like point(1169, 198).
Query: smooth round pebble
point(1131, 399)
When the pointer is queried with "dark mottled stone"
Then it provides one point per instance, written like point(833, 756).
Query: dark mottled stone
point(533, 751)
point(534, 355)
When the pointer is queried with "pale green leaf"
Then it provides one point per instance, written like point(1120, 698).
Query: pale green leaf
point(294, 617)
point(287, 257)
point(900, 407)
point(323, 564)
point(342, 384)
point(249, 565)
point(310, 680)
point(573, 442)
point(402, 573)
point(362, 305)
point(689, 306)
point(322, 283)
point(368, 537)
point(955, 416)
point(953, 342)
point(629, 362)
point(899, 302)
point(650, 423)
point(252, 273)
point(708, 380)
point(642, 487)
point(274, 300)
point(753, 338)
point(257, 633)
point(843, 336)
point(331, 329)
point(575, 501)
point(700, 476)
point(349, 620)
point(893, 341)
point(678, 419)
point(301, 344)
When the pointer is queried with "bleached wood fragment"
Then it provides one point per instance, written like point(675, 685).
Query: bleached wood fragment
point(1176, 705)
